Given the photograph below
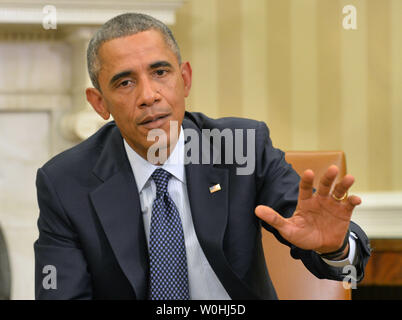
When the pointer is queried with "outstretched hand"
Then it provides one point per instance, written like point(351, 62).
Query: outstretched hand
point(321, 219)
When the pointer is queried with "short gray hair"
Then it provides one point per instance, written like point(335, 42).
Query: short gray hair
point(121, 26)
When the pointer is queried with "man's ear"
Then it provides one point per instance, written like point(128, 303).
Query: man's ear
point(97, 102)
point(186, 73)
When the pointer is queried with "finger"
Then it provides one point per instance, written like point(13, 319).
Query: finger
point(306, 185)
point(327, 180)
point(271, 217)
point(352, 202)
point(343, 186)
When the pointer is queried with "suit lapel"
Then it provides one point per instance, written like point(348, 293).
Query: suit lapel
point(117, 204)
point(210, 212)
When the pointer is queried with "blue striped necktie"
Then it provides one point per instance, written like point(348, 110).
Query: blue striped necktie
point(167, 251)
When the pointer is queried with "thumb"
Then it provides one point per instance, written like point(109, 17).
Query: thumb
point(271, 217)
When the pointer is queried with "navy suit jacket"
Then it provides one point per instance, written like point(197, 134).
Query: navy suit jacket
point(91, 228)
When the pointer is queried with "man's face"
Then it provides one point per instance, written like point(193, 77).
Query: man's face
point(143, 87)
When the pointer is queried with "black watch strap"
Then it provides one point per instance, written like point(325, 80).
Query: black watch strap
point(338, 253)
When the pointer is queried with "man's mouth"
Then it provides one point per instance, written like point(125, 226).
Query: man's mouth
point(155, 121)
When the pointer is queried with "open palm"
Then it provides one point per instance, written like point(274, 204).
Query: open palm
point(320, 222)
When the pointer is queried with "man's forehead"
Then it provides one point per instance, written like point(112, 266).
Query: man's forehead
point(149, 41)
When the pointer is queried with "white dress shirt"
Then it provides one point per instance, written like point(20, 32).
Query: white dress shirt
point(203, 282)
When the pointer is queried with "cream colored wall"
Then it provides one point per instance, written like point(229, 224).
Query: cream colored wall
point(291, 64)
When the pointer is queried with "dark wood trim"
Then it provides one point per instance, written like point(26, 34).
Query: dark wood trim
point(385, 264)
point(386, 245)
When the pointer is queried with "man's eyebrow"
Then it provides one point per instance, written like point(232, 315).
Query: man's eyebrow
point(159, 64)
point(120, 75)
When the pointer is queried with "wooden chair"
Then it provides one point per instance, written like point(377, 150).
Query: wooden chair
point(290, 277)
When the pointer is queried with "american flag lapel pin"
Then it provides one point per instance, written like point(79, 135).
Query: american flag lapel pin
point(215, 188)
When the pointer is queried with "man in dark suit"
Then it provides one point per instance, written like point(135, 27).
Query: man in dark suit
point(97, 225)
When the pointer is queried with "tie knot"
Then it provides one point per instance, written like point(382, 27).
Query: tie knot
point(161, 178)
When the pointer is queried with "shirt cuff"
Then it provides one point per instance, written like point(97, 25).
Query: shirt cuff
point(350, 258)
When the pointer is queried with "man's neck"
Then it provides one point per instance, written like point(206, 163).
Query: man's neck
point(158, 153)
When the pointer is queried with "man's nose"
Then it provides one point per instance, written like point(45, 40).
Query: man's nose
point(148, 93)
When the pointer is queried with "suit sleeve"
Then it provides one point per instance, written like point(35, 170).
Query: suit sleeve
point(278, 187)
point(60, 265)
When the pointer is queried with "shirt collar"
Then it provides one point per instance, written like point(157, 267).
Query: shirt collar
point(142, 169)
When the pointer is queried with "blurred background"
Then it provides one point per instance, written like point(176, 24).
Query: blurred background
point(323, 75)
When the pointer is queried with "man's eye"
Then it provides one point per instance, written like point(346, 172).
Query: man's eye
point(160, 72)
point(125, 83)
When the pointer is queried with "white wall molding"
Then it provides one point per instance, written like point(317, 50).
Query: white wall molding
point(75, 21)
point(380, 214)
point(86, 12)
